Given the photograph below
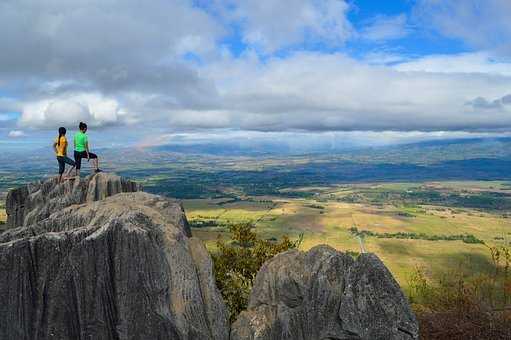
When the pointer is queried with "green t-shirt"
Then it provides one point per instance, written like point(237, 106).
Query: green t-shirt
point(80, 141)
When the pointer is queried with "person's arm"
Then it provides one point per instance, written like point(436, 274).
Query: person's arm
point(55, 146)
point(87, 147)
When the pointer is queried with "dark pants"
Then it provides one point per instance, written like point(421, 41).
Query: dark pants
point(82, 154)
point(63, 160)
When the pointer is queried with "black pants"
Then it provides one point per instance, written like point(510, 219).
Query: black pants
point(63, 160)
point(82, 154)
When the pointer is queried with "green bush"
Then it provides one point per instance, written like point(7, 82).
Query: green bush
point(236, 263)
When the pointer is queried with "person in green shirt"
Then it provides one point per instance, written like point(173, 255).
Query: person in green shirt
point(81, 144)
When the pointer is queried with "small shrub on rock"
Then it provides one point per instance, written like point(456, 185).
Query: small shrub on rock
point(237, 262)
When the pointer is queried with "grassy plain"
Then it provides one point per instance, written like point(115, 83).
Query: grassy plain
point(327, 218)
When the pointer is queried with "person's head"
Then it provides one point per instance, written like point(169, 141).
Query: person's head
point(82, 127)
point(62, 132)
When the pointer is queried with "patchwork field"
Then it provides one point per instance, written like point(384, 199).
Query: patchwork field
point(331, 217)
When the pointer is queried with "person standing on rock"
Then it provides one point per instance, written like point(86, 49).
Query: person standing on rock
point(60, 147)
point(81, 144)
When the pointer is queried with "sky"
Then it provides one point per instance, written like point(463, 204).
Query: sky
point(155, 72)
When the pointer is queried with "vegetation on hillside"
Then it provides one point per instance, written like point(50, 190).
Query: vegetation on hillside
point(457, 306)
point(452, 305)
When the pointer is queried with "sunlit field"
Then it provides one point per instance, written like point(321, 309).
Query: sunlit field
point(327, 219)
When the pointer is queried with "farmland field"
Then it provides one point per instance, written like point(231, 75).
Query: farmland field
point(414, 206)
point(330, 216)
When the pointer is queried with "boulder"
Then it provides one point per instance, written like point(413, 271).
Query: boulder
point(120, 267)
point(325, 294)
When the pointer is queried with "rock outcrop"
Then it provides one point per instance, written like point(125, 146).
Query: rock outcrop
point(120, 267)
point(35, 202)
point(98, 259)
point(325, 294)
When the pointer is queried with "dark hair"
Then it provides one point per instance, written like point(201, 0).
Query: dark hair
point(82, 126)
point(62, 132)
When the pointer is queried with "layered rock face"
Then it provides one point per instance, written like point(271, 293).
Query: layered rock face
point(120, 267)
point(325, 294)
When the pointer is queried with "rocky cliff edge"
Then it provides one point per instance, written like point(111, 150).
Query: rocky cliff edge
point(96, 258)
point(92, 260)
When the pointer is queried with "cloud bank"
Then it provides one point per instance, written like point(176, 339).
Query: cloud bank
point(173, 65)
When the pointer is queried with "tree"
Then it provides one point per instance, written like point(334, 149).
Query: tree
point(237, 262)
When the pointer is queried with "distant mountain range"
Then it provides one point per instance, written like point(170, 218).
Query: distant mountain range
point(421, 152)
point(261, 169)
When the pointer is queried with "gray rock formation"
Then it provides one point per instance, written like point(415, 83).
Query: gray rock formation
point(98, 259)
point(120, 267)
point(325, 294)
point(35, 202)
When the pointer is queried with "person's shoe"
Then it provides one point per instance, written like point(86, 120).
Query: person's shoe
point(98, 170)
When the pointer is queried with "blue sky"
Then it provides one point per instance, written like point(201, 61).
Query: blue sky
point(368, 72)
point(418, 42)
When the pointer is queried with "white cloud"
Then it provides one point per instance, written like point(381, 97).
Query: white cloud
point(112, 46)
point(116, 62)
point(483, 24)
point(209, 119)
point(476, 62)
point(384, 58)
point(272, 25)
point(306, 141)
point(314, 91)
point(16, 134)
point(382, 28)
point(69, 110)
point(96, 31)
